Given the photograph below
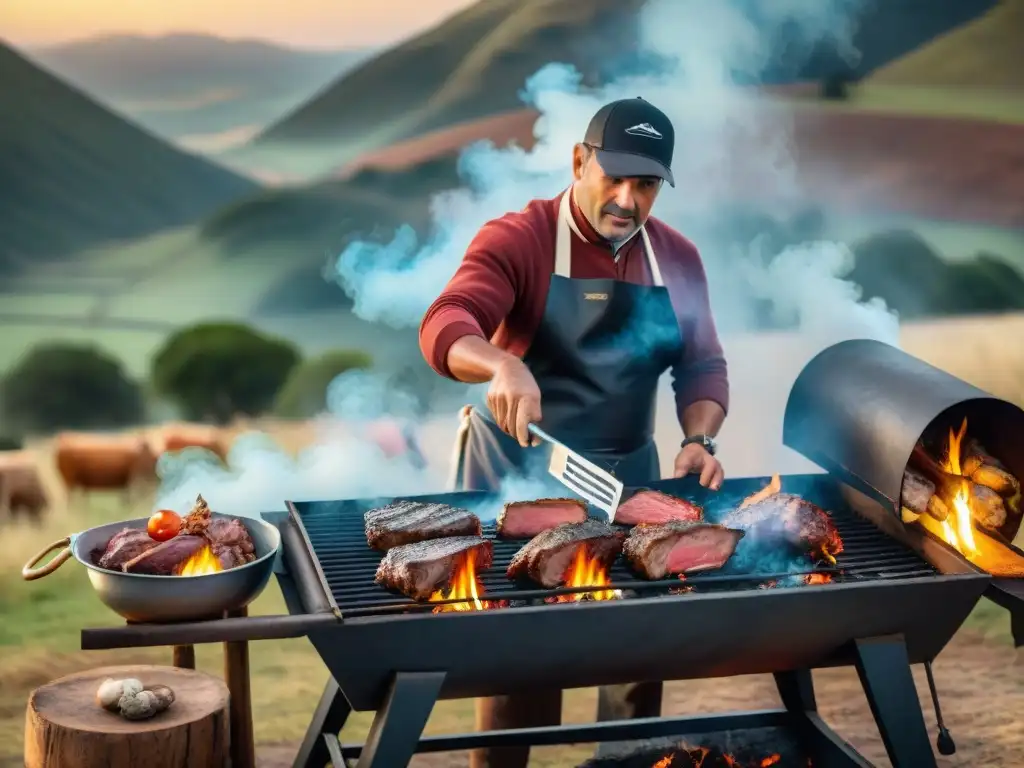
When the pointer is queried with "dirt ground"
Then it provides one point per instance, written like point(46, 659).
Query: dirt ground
point(980, 682)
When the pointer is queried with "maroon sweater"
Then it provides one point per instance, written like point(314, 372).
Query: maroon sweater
point(500, 290)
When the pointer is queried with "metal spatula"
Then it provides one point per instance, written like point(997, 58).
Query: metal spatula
point(582, 477)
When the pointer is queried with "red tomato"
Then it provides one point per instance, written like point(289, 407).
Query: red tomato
point(164, 525)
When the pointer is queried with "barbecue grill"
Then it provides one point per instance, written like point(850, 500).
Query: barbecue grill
point(896, 597)
point(886, 607)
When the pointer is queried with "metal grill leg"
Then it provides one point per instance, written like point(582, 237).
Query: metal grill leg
point(395, 733)
point(1017, 628)
point(884, 670)
point(825, 747)
point(796, 689)
point(329, 717)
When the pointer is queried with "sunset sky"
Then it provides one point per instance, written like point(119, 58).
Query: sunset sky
point(305, 23)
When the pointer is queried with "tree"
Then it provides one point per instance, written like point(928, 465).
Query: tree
point(69, 386)
point(304, 394)
point(214, 371)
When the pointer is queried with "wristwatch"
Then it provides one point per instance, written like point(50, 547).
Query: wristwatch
point(703, 440)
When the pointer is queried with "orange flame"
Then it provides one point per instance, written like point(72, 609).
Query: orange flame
point(771, 760)
point(465, 586)
point(665, 762)
point(202, 562)
point(586, 571)
point(816, 578)
point(958, 528)
point(774, 486)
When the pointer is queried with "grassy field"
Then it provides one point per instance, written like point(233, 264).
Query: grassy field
point(39, 634)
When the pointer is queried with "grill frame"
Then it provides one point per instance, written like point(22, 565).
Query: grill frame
point(542, 645)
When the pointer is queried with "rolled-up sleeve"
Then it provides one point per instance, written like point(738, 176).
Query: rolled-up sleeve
point(701, 373)
point(477, 298)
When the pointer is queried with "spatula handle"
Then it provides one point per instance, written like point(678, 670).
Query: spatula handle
point(535, 430)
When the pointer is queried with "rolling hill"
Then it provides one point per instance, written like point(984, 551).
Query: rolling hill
point(196, 89)
point(986, 53)
point(474, 64)
point(73, 174)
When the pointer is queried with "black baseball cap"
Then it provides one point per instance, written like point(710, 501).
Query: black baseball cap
point(633, 138)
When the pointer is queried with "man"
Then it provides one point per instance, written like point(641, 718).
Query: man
point(572, 309)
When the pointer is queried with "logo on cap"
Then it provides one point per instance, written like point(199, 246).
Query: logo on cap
point(644, 129)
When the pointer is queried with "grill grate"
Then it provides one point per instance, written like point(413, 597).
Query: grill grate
point(335, 532)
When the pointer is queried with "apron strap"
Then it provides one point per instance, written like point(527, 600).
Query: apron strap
point(563, 243)
point(459, 449)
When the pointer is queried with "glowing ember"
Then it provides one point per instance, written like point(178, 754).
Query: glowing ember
point(201, 563)
point(466, 587)
point(816, 578)
point(698, 757)
point(586, 571)
point(774, 486)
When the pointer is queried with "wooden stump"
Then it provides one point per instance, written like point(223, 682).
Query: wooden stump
point(66, 728)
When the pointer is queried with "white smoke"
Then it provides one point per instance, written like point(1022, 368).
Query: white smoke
point(728, 138)
point(731, 140)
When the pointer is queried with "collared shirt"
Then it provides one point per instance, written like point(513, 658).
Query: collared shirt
point(500, 290)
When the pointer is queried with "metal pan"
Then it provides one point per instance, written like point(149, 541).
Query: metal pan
point(159, 599)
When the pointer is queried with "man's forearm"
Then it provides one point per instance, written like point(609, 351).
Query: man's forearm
point(703, 417)
point(473, 360)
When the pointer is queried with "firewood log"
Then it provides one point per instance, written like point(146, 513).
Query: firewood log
point(986, 506)
point(917, 494)
point(999, 480)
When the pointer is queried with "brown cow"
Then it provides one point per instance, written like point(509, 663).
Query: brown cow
point(171, 438)
point(21, 487)
point(105, 462)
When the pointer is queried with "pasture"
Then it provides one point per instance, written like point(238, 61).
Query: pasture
point(39, 635)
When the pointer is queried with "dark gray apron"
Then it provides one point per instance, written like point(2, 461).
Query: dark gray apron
point(597, 356)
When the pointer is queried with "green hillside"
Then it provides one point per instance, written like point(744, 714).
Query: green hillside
point(472, 65)
point(181, 86)
point(985, 54)
point(73, 174)
point(475, 64)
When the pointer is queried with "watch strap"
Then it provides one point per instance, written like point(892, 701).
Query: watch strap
point(703, 440)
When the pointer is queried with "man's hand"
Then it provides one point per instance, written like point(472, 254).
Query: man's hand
point(694, 459)
point(514, 400)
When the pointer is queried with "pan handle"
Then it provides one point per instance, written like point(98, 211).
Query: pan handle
point(28, 573)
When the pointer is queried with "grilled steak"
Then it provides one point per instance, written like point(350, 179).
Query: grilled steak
point(679, 546)
point(417, 570)
point(523, 519)
point(231, 541)
point(404, 522)
point(124, 546)
point(656, 507)
point(785, 518)
point(164, 559)
point(548, 555)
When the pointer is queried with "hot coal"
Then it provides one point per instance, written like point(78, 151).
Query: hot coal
point(419, 569)
point(525, 519)
point(751, 748)
point(406, 522)
point(679, 547)
point(648, 506)
point(783, 518)
point(166, 558)
point(548, 555)
point(126, 544)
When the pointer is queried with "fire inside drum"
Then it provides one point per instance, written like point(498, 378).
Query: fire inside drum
point(977, 491)
point(860, 408)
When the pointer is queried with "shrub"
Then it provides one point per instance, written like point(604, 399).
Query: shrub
point(214, 371)
point(304, 394)
point(69, 386)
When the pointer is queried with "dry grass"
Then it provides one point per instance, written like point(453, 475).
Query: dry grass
point(39, 633)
